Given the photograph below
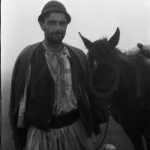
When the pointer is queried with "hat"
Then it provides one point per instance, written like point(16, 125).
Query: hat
point(54, 6)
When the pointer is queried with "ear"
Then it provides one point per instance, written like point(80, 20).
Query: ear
point(41, 25)
point(113, 41)
point(86, 42)
point(139, 45)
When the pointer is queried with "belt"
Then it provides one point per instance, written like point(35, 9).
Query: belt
point(64, 120)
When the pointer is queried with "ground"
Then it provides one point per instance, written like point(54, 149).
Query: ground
point(115, 136)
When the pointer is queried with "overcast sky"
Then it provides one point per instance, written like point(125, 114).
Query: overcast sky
point(93, 18)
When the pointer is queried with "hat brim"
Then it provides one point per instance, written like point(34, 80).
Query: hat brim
point(68, 17)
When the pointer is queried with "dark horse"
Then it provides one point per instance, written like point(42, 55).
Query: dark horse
point(121, 84)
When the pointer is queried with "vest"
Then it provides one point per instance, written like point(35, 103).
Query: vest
point(41, 92)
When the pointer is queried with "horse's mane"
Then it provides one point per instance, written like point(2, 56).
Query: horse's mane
point(128, 55)
point(102, 41)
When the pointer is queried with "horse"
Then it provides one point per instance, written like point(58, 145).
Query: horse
point(120, 85)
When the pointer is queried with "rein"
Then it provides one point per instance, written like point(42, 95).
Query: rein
point(105, 134)
point(106, 128)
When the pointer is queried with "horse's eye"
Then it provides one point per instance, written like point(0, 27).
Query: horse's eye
point(95, 63)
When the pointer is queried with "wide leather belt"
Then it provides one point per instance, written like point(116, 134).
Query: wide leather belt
point(64, 120)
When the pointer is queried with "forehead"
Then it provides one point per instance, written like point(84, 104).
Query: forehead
point(56, 16)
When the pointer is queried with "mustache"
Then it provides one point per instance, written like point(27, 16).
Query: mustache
point(58, 32)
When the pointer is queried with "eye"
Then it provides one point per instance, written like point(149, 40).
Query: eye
point(63, 23)
point(51, 23)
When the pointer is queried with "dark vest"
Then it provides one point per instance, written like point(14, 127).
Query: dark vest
point(41, 91)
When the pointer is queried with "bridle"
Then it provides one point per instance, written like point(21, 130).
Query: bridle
point(114, 89)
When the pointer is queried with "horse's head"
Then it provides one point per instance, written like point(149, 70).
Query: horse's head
point(103, 63)
point(101, 49)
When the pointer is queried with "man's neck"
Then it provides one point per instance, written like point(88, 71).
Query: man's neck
point(53, 47)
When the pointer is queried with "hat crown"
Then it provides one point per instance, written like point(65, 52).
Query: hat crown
point(54, 6)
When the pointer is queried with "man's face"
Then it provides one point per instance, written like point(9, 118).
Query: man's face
point(54, 27)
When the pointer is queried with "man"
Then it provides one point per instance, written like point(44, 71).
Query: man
point(49, 106)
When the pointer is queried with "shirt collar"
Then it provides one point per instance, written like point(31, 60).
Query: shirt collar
point(64, 50)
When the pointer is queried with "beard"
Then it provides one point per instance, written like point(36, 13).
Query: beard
point(55, 37)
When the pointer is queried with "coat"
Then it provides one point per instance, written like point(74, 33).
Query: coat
point(19, 77)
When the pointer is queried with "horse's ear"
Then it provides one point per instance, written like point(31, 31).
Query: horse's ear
point(86, 42)
point(139, 45)
point(113, 41)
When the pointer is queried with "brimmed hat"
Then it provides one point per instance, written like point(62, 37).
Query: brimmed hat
point(54, 6)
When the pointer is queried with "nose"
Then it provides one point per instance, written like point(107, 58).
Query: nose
point(58, 27)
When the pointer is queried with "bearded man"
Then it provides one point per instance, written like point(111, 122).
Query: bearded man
point(49, 106)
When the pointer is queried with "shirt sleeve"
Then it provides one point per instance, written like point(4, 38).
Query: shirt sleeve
point(22, 106)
